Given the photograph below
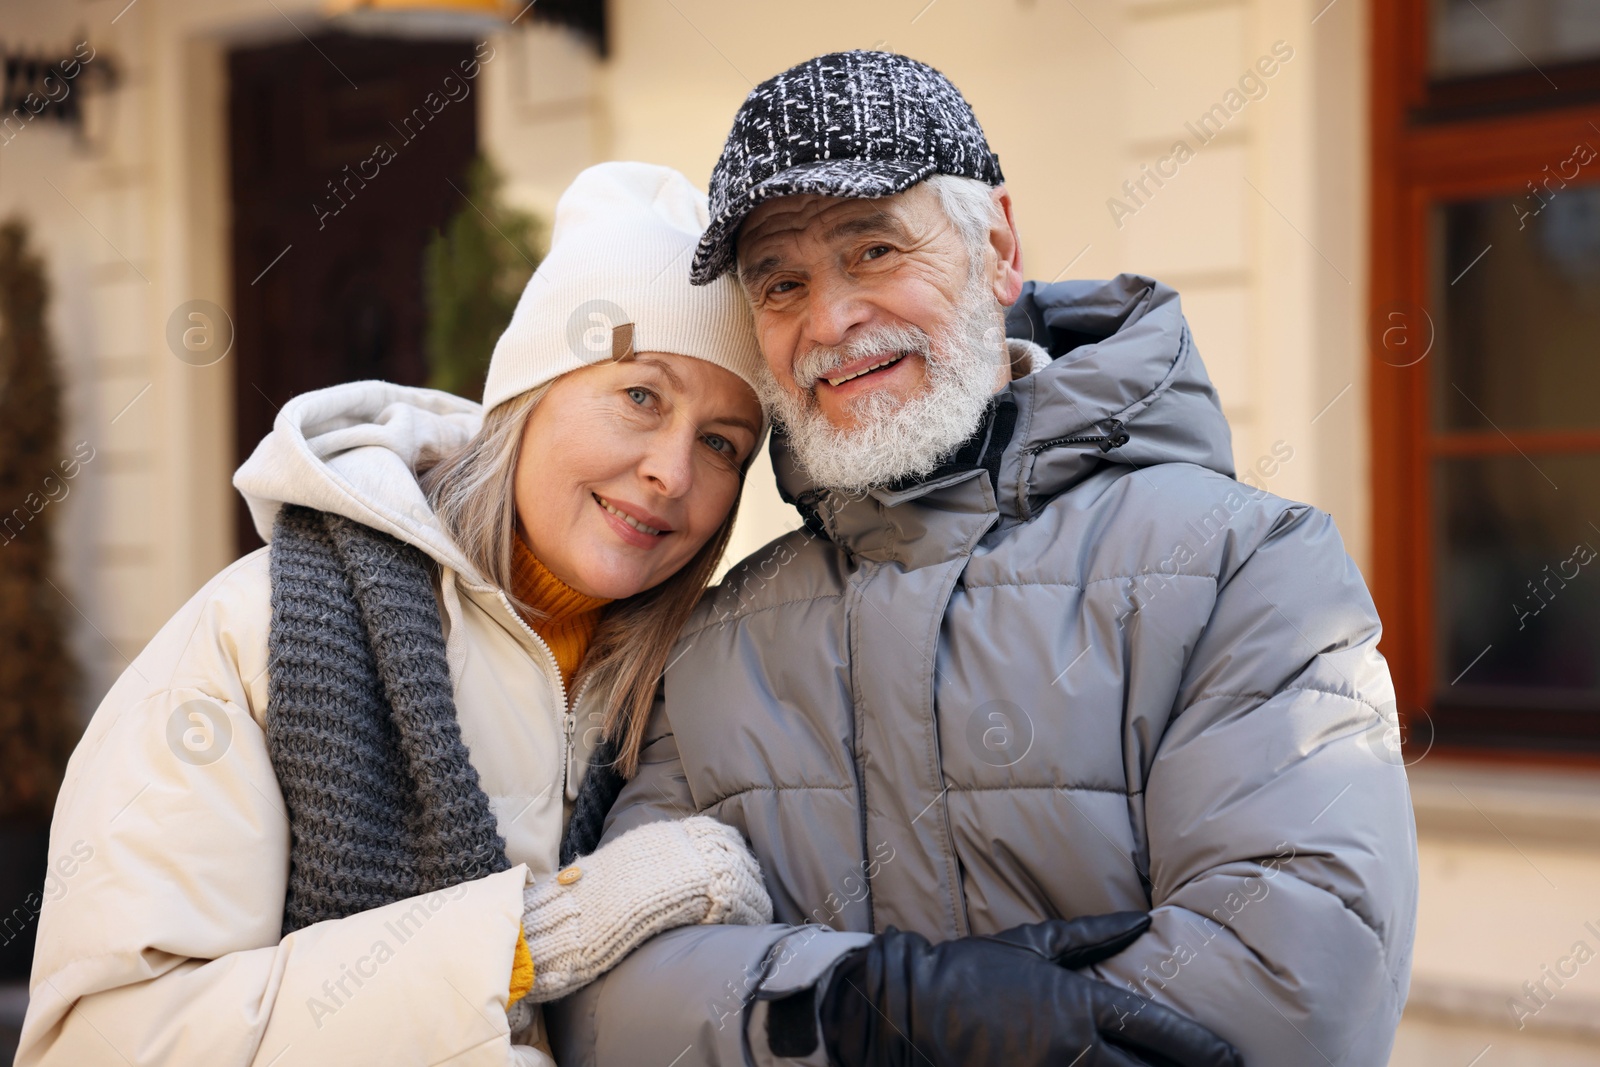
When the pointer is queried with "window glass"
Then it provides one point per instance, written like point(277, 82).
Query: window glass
point(1517, 303)
point(1517, 585)
point(1493, 36)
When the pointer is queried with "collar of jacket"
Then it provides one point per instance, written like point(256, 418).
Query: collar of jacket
point(830, 513)
point(953, 505)
point(1125, 386)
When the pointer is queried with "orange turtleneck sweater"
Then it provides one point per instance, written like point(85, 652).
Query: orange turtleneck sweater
point(570, 617)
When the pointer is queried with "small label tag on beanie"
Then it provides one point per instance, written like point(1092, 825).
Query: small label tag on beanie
point(622, 341)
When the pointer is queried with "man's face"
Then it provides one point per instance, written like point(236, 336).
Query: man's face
point(824, 271)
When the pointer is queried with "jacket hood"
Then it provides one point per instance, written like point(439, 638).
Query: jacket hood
point(353, 450)
point(1122, 363)
point(1121, 350)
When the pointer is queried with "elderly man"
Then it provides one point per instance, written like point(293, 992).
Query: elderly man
point(1036, 658)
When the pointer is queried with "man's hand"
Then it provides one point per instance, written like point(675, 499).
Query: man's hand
point(1011, 998)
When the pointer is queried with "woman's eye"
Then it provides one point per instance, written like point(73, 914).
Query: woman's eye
point(640, 395)
point(719, 444)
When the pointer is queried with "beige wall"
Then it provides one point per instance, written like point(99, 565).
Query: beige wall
point(1510, 894)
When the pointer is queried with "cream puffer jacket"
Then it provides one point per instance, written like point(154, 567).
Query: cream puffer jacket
point(159, 936)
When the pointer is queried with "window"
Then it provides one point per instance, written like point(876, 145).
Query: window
point(1468, 37)
point(1486, 368)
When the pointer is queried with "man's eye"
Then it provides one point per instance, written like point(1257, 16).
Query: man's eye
point(876, 251)
point(779, 288)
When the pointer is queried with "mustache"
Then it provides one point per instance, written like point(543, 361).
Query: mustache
point(820, 360)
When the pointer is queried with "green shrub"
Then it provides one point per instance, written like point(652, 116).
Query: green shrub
point(472, 276)
point(37, 723)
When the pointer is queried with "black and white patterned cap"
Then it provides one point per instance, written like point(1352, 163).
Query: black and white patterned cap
point(854, 124)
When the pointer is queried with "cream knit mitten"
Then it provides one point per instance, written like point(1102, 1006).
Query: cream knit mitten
point(656, 877)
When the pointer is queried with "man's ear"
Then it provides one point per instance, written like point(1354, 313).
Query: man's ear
point(1006, 277)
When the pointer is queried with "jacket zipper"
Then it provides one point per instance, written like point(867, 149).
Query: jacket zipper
point(1115, 437)
point(572, 733)
point(569, 722)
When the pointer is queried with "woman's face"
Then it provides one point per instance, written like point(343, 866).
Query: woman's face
point(628, 467)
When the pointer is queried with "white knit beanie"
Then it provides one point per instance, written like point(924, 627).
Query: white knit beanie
point(624, 236)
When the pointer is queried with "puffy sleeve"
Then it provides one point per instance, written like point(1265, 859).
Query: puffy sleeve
point(699, 993)
point(1281, 841)
point(159, 928)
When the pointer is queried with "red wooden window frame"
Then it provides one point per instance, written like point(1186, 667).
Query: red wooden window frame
point(1433, 143)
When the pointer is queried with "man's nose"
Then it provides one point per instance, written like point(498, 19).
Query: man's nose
point(836, 307)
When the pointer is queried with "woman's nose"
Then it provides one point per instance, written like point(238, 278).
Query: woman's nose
point(668, 462)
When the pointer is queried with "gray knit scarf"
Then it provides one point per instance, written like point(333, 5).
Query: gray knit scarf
point(384, 803)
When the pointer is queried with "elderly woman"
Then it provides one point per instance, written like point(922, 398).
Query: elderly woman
point(318, 819)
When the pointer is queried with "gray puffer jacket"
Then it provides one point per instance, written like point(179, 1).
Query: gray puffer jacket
point(1080, 669)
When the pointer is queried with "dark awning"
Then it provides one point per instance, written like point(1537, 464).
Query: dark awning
point(588, 17)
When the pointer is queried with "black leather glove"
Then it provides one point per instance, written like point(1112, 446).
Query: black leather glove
point(1010, 998)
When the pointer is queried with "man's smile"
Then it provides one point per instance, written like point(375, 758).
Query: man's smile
point(862, 367)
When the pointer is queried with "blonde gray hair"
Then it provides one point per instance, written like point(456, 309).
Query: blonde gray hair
point(970, 205)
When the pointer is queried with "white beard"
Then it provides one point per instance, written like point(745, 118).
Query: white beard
point(893, 439)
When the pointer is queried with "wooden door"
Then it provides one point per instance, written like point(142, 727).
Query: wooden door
point(347, 154)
